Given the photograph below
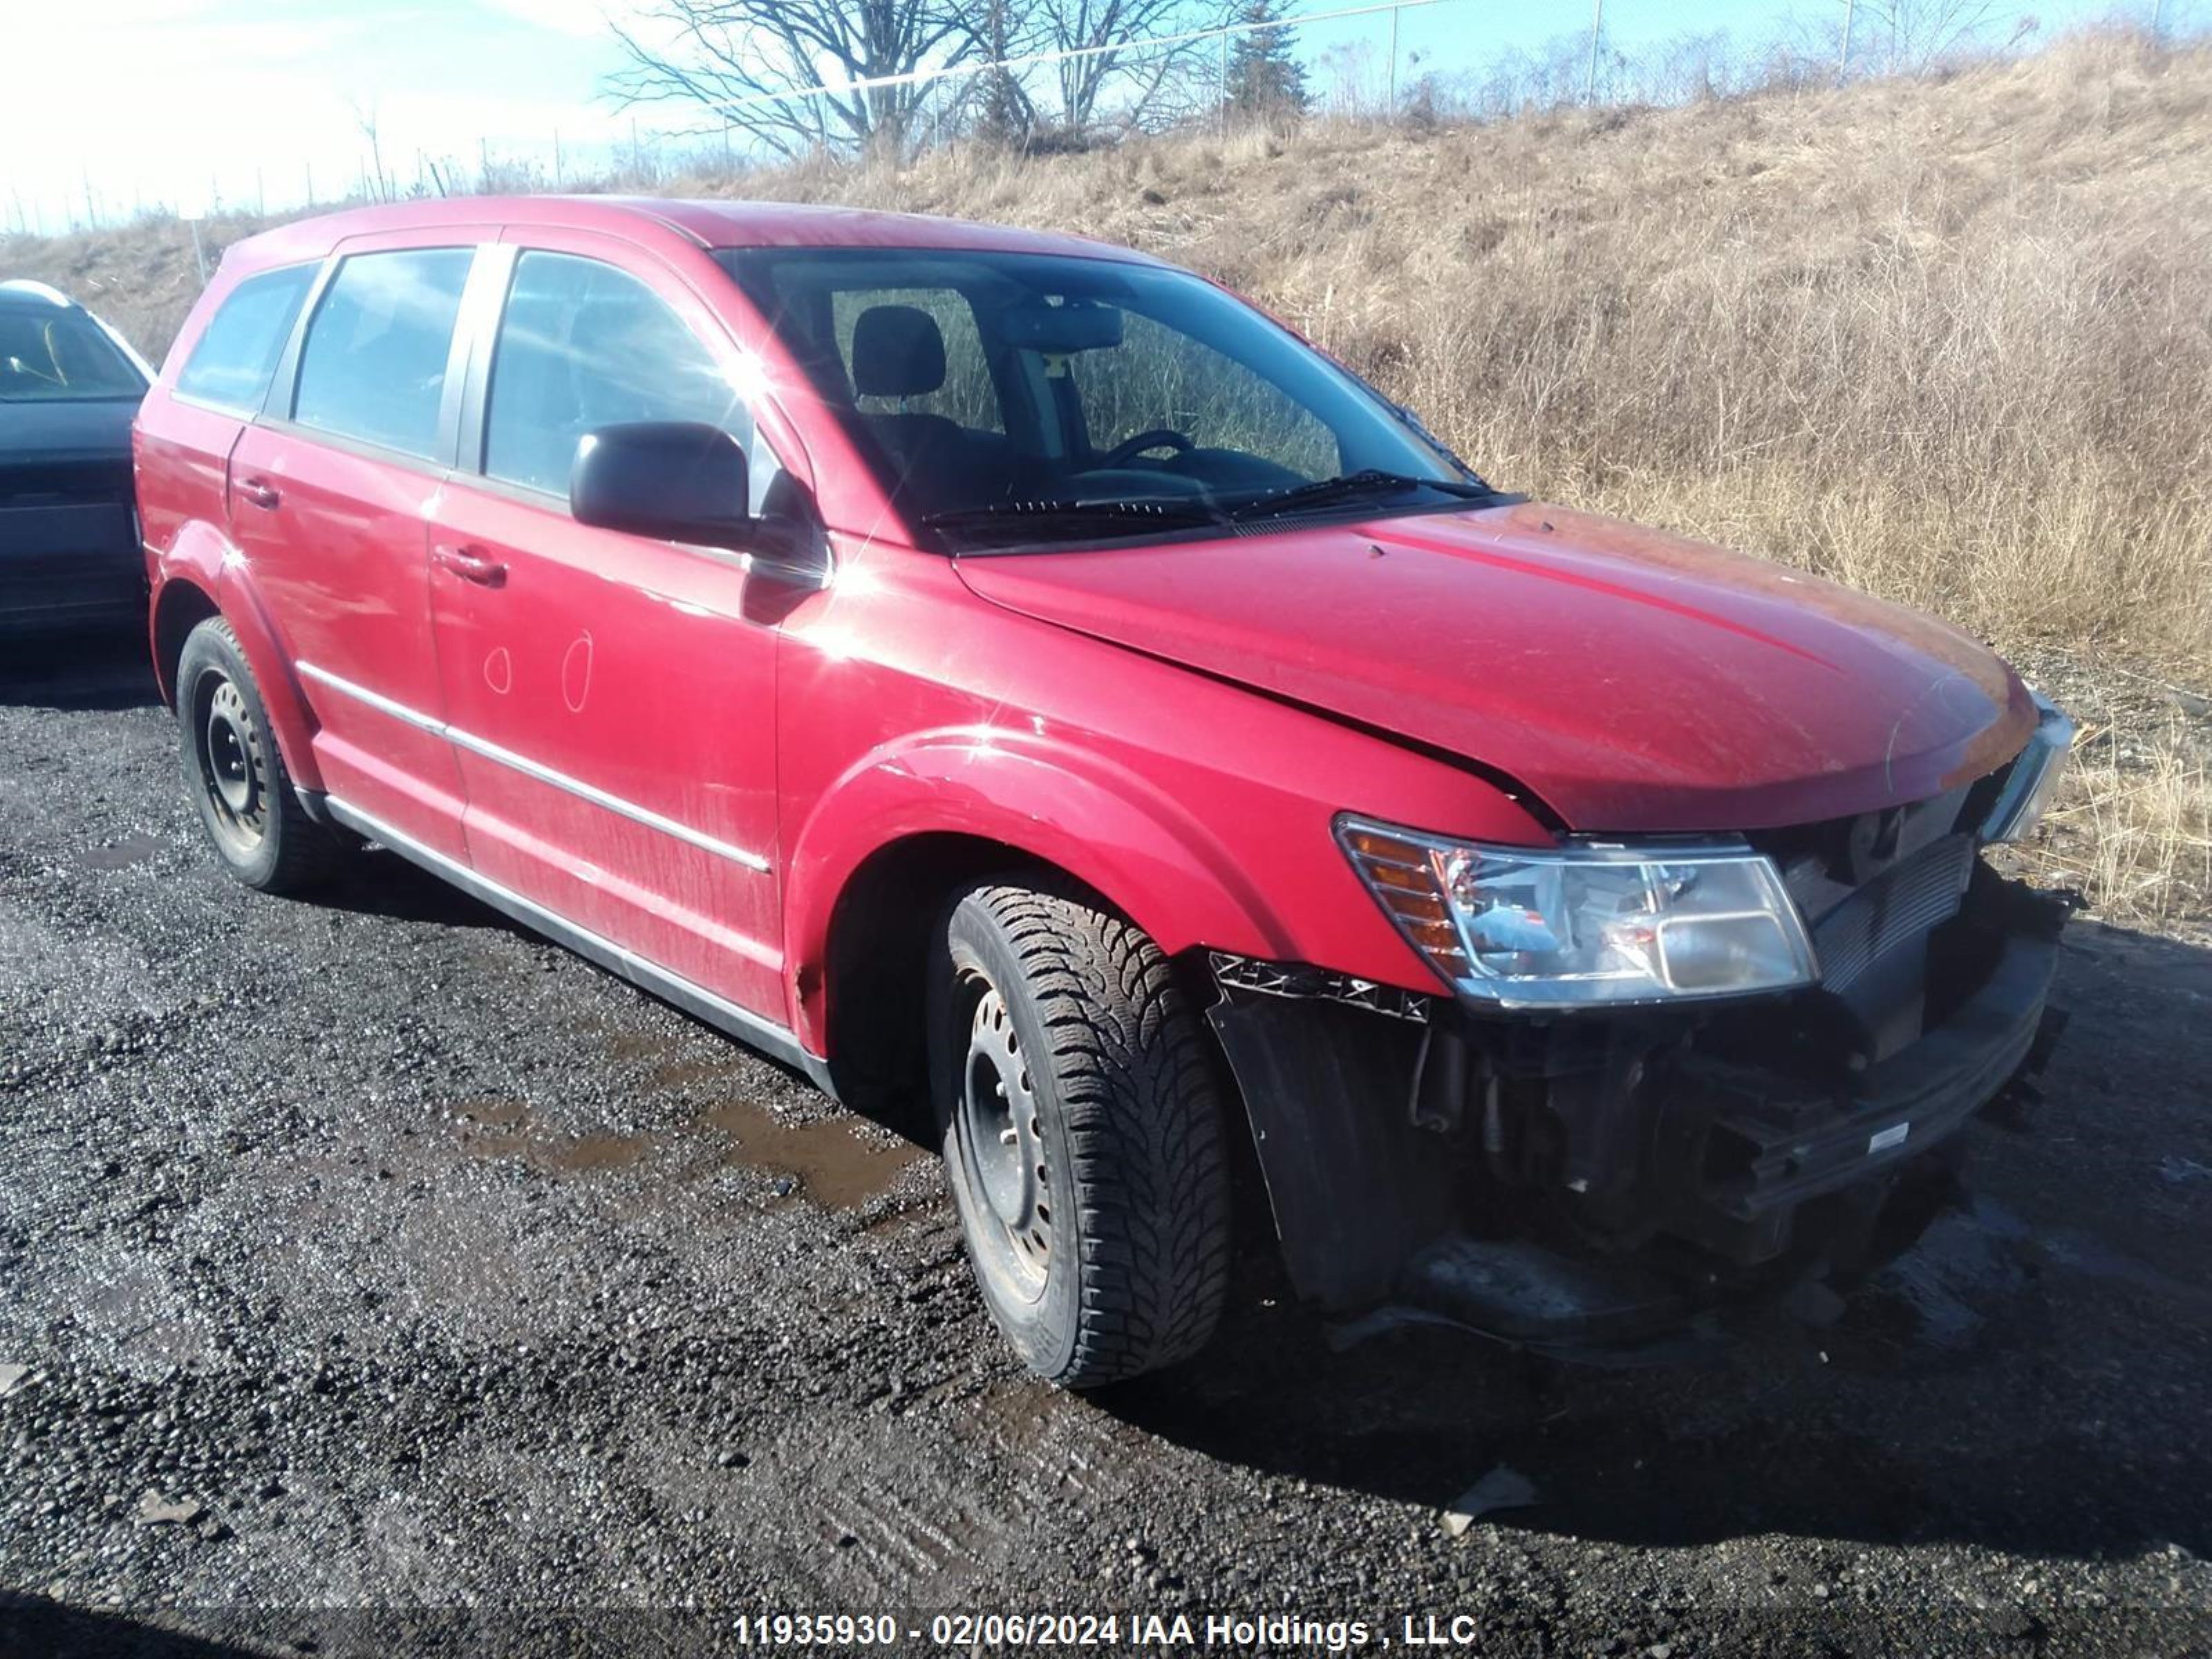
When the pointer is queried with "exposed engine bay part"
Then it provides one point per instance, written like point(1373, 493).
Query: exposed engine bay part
point(1283, 979)
point(1597, 1178)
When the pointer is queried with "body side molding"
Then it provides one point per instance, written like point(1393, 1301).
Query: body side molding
point(531, 769)
point(778, 1042)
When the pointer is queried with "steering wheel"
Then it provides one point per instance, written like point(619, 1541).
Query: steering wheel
point(1129, 448)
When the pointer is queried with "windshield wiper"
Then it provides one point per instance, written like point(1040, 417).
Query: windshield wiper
point(1354, 486)
point(1164, 514)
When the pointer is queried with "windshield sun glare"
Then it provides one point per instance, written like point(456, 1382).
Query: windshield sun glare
point(1034, 400)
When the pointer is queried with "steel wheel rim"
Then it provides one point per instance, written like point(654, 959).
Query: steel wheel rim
point(999, 1133)
point(234, 770)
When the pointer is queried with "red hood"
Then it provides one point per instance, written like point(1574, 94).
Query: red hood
point(1632, 680)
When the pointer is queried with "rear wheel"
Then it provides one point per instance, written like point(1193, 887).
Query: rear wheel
point(235, 774)
point(1083, 1137)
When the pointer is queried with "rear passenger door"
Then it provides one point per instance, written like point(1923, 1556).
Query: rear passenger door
point(611, 699)
point(330, 496)
point(183, 449)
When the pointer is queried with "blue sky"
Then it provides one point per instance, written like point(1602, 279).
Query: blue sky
point(182, 102)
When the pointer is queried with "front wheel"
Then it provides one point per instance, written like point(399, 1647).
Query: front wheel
point(1083, 1137)
point(235, 774)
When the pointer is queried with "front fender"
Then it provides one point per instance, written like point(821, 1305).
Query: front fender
point(201, 560)
point(1109, 828)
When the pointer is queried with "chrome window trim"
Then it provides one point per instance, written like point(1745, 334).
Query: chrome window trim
point(535, 770)
point(484, 316)
point(291, 366)
point(246, 412)
point(339, 443)
point(776, 1040)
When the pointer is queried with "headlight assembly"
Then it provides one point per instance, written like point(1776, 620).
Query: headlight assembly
point(2034, 777)
point(1588, 924)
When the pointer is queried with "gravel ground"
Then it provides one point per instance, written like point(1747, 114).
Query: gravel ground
point(377, 1279)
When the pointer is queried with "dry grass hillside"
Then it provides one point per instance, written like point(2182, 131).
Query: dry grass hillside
point(1949, 340)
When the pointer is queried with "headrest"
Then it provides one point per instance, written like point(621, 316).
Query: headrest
point(897, 352)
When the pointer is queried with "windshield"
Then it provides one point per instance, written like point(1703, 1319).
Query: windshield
point(48, 355)
point(1039, 399)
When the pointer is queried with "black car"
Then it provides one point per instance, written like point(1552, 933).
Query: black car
point(70, 556)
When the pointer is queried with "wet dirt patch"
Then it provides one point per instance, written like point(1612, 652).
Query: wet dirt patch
point(589, 1152)
point(833, 1164)
point(832, 1161)
point(500, 1128)
point(124, 855)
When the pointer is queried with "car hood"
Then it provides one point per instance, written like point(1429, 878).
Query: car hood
point(1632, 680)
point(64, 430)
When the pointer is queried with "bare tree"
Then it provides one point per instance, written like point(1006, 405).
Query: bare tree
point(365, 119)
point(1912, 37)
point(1005, 113)
point(1354, 79)
point(1116, 66)
point(739, 60)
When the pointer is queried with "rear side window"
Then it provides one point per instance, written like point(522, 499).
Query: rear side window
point(581, 345)
point(373, 367)
point(237, 352)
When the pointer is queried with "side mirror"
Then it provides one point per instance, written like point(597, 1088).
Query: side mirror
point(679, 481)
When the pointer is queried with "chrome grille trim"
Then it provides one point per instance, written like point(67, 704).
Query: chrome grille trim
point(1901, 904)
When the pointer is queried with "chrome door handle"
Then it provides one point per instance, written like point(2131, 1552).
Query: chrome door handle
point(471, 564)
point(261, 493)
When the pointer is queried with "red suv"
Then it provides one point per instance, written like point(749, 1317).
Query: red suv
point(1009, 673)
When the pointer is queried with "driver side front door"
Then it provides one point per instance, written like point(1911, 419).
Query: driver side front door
point(610, 700)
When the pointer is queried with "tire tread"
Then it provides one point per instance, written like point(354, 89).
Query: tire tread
point(307, 854)
point(1145, 1128)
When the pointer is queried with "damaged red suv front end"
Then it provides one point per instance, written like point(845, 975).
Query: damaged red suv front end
point(1720, 1035)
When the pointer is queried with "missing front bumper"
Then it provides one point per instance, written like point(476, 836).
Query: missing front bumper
point(1572, 1184)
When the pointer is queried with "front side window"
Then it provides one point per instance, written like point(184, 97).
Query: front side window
point(236, 354)
point(373, 366)
point(582, 344)
point(1045, 399)
point(52, 354)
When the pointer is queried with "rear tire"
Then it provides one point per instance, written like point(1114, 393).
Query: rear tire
point(1083, 1137)
point(235, 774)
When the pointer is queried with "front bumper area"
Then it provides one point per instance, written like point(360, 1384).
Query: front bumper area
point(1591, 1181)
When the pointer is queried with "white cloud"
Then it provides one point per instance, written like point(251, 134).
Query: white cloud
point(247, 100)
point(582, 18)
